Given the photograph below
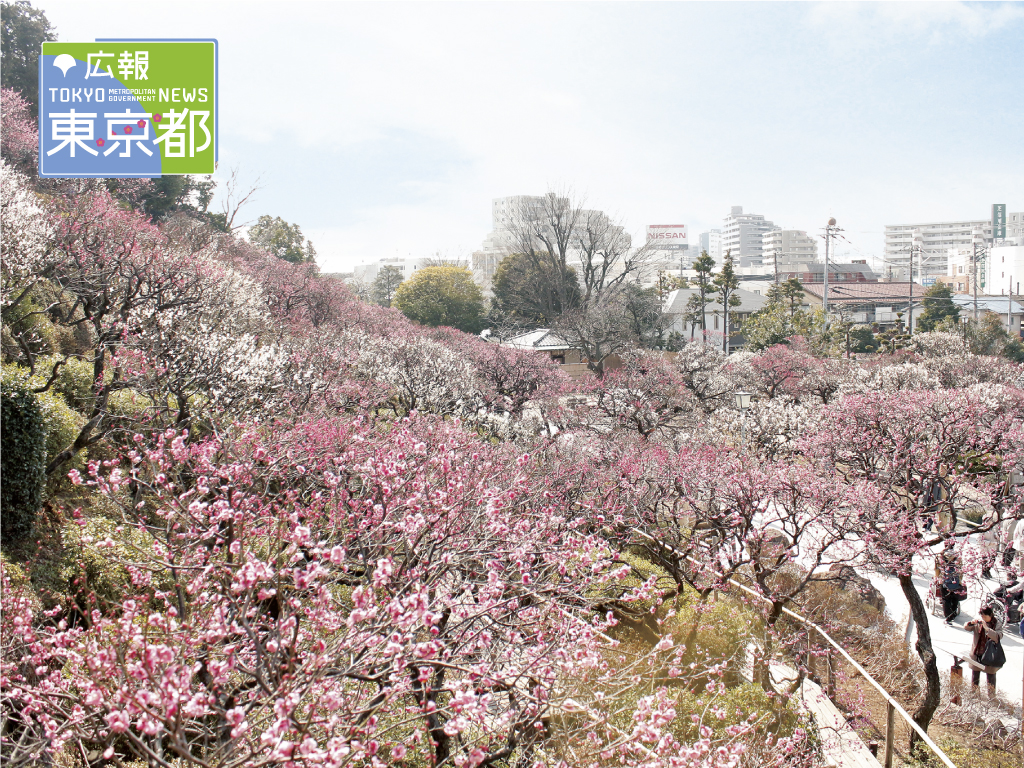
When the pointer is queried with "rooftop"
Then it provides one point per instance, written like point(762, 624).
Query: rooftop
point(990, 304)
point(541, 339)
point(864, 292)
point(676, 302)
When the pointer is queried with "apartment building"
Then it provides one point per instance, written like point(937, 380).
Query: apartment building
point(742, 235)
point(788, 249)
point(930, 245)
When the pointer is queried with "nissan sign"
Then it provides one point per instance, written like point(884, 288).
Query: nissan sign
point(666, 234)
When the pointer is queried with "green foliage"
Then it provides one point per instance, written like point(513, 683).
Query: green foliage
point(128, 403)
point(779, 319)
point(168, 195)
point(767, 327)
point(283, 240)
point(525, 290)
point(23, 459)
point(385, 284)
point(20, 583)
point(725, 282)
point(92, 567)
point(74, 379)
point(61, 423)
point(442, 296)
point(862, 339)
point(938, 306)
point(29, 321)
point(789, 294)
point(987, 337)
point(24, 30)
point(697, 304)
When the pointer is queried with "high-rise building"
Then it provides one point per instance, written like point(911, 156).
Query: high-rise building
point(497, 244)
point(742, 236)
point(930, 245)
point(711, 242)
point(788, 249)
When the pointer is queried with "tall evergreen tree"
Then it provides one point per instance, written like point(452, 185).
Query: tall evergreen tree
point(385, 284)
point(697, 305)
point(938, 305)
point(726, 283)
point(24, 31)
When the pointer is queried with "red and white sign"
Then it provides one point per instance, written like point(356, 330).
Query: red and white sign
point(666, 234)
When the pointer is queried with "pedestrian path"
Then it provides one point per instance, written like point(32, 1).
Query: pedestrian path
point(953, 640)
point(841, 746)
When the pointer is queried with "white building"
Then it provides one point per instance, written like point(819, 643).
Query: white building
point(742, 234)
point(367, 273)
point(1015, 228)
point(1008, 310)
point(1004, 269)
point(681, 321)
point(712, 243)
point(788, 248)
point(932, 243)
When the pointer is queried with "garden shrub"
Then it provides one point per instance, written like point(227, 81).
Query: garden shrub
point(128, 403)
point(60, 422)
point(23, 460)
point(74, 380)
point(93, 565)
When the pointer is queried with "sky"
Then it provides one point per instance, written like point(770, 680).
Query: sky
point(386, 129)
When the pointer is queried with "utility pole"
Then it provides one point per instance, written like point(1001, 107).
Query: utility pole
point(916, 244)
point(1009, 304)
point(976, 235)
point(831, 232)
point(910, 311)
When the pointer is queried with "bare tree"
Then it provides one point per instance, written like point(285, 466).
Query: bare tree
point(600, 329)
point(236, 196)
point(575, 244)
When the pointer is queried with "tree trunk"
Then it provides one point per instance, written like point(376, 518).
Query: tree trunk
point(933, 689)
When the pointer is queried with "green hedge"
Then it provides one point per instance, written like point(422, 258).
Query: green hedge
point(62, 423)
point(22, 461)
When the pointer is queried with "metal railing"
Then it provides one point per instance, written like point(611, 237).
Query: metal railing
point(893, 707)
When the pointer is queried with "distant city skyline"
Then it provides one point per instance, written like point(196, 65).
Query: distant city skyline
point(386, 130)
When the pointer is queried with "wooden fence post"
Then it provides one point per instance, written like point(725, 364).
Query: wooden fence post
point(890, 732)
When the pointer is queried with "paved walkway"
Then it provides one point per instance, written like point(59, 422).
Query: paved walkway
point(841, 746)
point(954, 640)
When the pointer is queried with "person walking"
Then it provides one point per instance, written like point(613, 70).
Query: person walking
point(989, 543)
point(950, 584)
point(986, 648)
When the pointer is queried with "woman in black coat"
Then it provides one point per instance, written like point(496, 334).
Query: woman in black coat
point(985, 628)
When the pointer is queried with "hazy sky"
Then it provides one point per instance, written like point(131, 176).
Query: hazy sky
point(385, 129)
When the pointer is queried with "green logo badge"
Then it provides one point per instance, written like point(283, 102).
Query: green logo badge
point(121, 108)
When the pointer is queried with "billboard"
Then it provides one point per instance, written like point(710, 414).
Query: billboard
point(998, 221)
point(666, 234)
